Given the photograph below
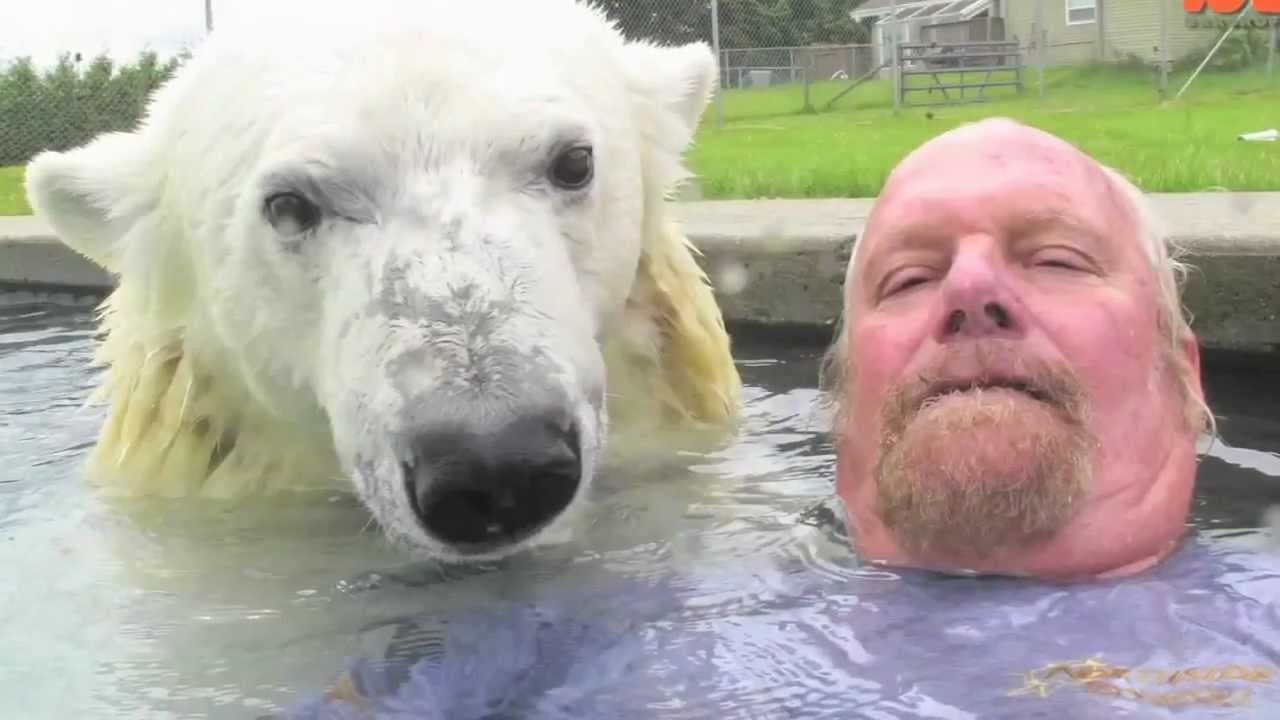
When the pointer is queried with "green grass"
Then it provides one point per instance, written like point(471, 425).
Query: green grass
point(13, 200)
point(769, 148)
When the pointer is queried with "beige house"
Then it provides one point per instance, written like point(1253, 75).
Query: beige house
point(1075, 31)
point(1107, 30)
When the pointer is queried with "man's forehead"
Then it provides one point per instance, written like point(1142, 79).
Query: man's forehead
point(991, 169)
point(992, 146)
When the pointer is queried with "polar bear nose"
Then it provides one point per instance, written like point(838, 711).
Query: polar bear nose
point(478, 491)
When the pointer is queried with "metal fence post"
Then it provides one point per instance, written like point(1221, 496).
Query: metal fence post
point(1100, 19)
point(715, 47)
point(897, 76)
point(1164, 50)
point(1042, 41)
point(1271, 48)
point(896, 54)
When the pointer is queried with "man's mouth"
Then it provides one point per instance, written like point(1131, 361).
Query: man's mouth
point(955, 387)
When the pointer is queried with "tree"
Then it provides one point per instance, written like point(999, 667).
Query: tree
point(669, 22)
point(829, 21)
point(743, 23)
point(66, 106)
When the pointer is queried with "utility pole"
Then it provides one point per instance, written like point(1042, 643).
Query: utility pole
point(208, 16)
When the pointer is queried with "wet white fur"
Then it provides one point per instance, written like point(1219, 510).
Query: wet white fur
point(304, 361)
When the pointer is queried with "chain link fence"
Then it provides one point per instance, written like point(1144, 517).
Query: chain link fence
point(777, 58)
point(69, 103)
point(1160, 39)
point(77, 98)
point(784, 57)
point(779, 47)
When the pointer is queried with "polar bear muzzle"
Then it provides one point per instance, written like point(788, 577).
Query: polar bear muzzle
point(478, 491)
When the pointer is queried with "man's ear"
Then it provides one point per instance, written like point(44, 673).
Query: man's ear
point(91, 195)
point(678, 80)
point(1197, 407)
point(1191, 356)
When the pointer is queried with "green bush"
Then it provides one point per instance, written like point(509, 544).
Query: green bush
point(67, 106)
point(1241, 50)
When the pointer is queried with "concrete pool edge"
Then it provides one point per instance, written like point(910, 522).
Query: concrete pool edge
point(788, 258)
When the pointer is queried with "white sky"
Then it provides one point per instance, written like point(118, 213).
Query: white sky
point(121, 28)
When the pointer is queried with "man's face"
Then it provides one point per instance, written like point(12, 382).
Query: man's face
point(1012, 399)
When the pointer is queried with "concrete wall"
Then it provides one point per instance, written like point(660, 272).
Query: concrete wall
point(794, 254)
point(781, 263)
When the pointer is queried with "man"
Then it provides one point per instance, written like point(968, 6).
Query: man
point(1017, 389)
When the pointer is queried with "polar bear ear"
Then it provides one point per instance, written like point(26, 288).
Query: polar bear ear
point(680, 79)
point(89, 194)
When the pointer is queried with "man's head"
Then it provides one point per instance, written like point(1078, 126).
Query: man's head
point(1017, 389)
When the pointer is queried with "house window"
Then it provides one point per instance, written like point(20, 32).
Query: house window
point(1081, 11)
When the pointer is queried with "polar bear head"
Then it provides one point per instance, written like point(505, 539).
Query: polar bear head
point(401, 242)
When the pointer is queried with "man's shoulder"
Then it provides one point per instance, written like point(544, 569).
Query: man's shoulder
point(1200, 631)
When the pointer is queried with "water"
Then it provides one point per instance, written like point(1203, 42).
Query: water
point(713, 587)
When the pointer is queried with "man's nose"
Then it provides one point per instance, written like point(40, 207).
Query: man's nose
point(976, 299)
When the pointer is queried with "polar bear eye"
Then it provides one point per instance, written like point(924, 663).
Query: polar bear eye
point(573, 168)
point(290, 213)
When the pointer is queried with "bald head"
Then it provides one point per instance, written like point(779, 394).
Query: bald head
point(993, 140)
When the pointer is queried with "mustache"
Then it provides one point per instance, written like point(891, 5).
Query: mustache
point(989, 364)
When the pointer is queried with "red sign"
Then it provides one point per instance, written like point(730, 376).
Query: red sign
point(1231, 7)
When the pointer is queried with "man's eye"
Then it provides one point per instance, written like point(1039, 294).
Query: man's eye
point(1061, 261)
point(1068, 264)
point(1057, 264)
point(903, 282)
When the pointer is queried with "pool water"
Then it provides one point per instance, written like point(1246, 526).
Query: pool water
point(716, 586)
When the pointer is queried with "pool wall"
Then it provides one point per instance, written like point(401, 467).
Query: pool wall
point(780, 263)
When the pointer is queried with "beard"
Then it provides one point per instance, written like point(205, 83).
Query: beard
point(998, 461)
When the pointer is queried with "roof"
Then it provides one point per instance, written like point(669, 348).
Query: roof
point(919, 9)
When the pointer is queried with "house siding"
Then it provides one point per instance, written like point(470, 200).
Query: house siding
point(1067, 44)
point(1133, 30)
point(1128, 29)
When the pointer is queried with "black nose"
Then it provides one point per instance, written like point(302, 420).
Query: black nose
point(479, 491)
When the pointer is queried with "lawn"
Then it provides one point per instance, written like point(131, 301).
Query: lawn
point(769, 148)
point(12, 199)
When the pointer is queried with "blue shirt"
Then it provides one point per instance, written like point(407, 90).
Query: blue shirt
point(1197, 636)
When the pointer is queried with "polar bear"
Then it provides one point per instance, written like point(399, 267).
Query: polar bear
point(422, 252)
